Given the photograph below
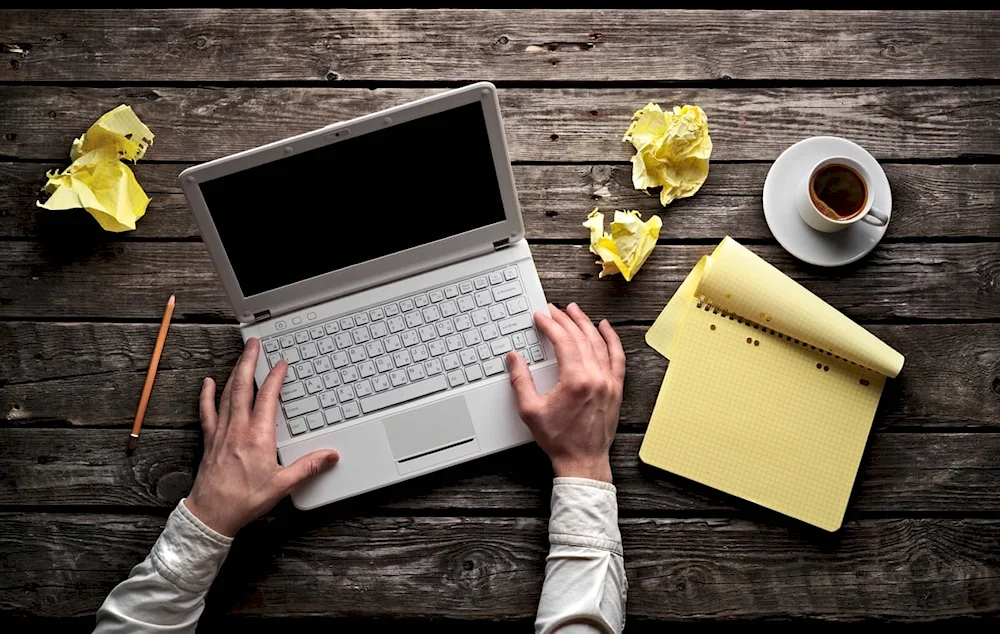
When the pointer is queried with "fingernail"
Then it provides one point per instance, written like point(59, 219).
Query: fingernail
point(332, 459)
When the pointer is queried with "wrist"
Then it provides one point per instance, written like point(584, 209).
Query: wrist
point(204, 514)
point(592, 469)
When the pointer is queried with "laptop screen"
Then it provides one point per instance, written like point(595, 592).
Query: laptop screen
point(357, 200)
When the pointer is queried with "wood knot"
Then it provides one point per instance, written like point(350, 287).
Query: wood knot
point(15, 64)
point(503, 40)
point(10, 136)
point(467, 565)
point(551, 214)
point(554, 137)
point(996, 385)
point(201, 43)
point(332, 75)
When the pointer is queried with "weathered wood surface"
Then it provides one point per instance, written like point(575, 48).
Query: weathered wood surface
point(558, 124)
point(90, 374)
point(70, 278)
point(901, 473)
point(929, 201)
point(538, 46)
point(492, 567)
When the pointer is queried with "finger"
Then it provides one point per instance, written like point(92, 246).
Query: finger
point(265, 408)
point(241, 397)
point(223, 424)
point(616, 354)
point(567, 352)
point(570, 327)
point(594, 338)
point(306, 467)
point(206, 412)
point(529, 403)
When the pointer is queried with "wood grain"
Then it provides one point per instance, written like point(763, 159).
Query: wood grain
point(929, 201)
point(90, 374)
point(901, 473)
point(539, 46)
point(492, 567)
point(98, 278)
point(556, 125)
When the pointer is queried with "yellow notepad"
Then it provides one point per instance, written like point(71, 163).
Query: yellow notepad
point(770, 392)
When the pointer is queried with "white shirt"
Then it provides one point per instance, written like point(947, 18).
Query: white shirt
point(584, 589)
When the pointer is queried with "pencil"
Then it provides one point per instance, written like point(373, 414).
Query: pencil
point(133, 438)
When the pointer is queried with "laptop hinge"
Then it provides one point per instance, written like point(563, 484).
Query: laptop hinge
point(262, 315)
point(499, 244)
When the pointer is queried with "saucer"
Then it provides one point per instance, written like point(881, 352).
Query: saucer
point(788, 174)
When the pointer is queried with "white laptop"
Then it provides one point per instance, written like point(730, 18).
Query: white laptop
point(383, 258)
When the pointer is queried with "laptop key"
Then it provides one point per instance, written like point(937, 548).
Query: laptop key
point(506, 291)
point(451, 291)
point(493, 366)
point(314, 384)
point(301, 407)
point(271, 345)
point(407, 393)
point(436, 296)
point(456, 378)
point(315, 420)
point(351, 409)
point(297, 426)
point(510, 274)
point(301, 336)
point(380, 383)
point(390, 310)
point(473, 373)
point(292, 391)
point(465, 287)
point(515, 323)
point(332, 415)
point(496, 277)
point(327, 399)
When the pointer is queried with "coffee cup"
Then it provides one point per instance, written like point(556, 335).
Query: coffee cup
point(838, 193)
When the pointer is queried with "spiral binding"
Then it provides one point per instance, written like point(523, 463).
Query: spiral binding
point(704, 302)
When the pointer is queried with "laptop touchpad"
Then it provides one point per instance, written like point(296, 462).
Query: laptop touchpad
point(430, 429)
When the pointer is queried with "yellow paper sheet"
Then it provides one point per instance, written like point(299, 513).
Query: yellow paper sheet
point(755, 408)
point(671, 150)
point(97, 180)
point(625, 249)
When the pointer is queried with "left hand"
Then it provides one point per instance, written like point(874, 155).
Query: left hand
point(239, 478)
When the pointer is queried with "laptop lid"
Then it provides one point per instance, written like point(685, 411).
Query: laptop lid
point(359, 203)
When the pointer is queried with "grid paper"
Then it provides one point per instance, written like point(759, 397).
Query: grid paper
point(771, 420)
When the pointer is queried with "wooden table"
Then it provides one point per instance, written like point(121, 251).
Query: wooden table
point(79, 308)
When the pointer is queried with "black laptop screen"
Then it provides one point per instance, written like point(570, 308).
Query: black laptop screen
point(357, 200)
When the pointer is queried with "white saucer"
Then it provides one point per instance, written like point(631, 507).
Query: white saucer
point(781, 187)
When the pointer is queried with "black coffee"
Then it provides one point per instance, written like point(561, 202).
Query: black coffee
point(838, 191)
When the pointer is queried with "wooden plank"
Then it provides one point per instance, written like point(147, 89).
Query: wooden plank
point(91, 374)
point(559, 125)
point(62, 565)
point(448, 45)
point(902, 473)
point(929, 201)
point(96, 278)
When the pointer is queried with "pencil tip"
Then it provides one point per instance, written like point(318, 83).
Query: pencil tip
point(171, 300)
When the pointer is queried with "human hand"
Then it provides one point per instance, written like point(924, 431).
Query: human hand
point(575, 421)
point(239, 478)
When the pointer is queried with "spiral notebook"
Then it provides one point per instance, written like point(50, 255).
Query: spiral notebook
point(770, 392)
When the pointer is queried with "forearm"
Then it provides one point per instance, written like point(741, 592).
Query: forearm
point(585, 584)
point(166, 592)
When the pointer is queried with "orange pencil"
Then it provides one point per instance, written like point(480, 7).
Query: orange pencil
point(133, 438)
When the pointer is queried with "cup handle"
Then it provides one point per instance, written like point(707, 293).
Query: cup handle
point(876, 218)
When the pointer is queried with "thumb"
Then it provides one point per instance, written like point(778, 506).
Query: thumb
point(529, 403)
point(306, 467)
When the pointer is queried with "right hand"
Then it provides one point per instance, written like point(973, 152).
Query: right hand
point(575, 421)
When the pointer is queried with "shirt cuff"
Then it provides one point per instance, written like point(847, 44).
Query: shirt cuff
point(585, 513)
point(188, 553)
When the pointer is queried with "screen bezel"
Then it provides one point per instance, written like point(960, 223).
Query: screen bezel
point(380, 270)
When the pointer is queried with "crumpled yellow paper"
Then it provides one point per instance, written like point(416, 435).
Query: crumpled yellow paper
point(97, 180)
point(672, 150)
point(630, 242)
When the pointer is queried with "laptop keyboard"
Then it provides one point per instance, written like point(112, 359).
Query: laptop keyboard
point(432, 341)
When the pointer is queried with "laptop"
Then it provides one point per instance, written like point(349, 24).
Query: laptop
point(384, 259)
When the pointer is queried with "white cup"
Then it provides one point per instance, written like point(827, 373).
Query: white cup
point(820, 221)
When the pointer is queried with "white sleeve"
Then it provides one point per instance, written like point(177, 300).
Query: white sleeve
point(166, 592)
point(585, 584)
